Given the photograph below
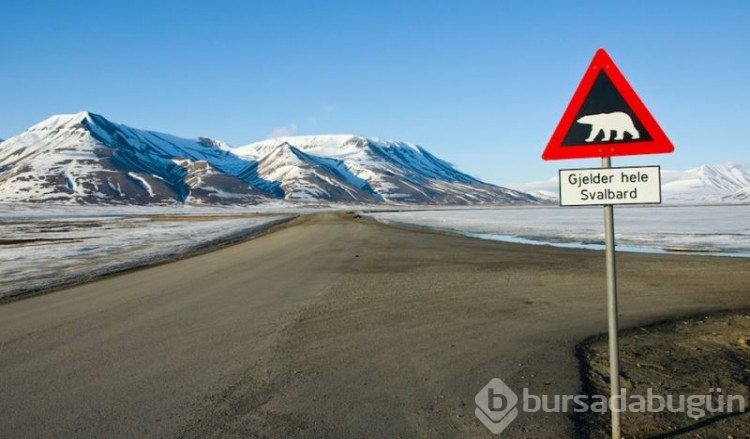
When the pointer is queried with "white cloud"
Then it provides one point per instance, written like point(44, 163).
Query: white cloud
point(284, 131)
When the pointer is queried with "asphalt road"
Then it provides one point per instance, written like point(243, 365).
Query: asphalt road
point(329, 327)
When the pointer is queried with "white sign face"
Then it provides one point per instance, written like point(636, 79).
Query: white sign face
point(598, 186)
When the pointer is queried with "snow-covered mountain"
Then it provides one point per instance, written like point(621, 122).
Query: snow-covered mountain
point(711, 184)
point(84, 158)
point(351, 167)
point(708, 184)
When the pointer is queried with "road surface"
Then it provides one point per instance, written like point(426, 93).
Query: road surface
point(330, 326)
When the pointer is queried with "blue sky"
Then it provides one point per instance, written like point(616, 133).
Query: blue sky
point(481, 84)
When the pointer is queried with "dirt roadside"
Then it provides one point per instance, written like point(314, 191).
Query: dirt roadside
point(701, 356)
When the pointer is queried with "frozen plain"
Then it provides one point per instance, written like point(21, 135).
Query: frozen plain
point(46, 247)
point(717, 230)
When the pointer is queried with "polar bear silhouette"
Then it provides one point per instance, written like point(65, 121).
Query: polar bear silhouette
point(617, 121)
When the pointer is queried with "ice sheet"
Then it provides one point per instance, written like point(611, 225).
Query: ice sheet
point(721, 230)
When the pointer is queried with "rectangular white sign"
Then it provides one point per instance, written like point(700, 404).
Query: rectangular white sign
point(598, 186)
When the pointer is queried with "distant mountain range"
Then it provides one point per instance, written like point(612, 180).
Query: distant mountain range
point(353, 168)
point(85, 158)
point(708, 184)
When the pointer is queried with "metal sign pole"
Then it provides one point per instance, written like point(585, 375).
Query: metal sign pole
point(614, 348)
point(605, 102)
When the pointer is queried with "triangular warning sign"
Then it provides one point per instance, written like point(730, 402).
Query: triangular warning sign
point(605, 118)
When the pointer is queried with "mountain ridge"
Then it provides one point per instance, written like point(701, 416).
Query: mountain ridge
point(392, 171)
point(85, 158)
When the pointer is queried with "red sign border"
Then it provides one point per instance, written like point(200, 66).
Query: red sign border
point(658, 145)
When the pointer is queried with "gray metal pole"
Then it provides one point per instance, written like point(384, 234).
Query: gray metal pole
point(614, 346)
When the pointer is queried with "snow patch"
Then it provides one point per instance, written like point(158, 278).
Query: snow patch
point(81, 246)
point(142, 182)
